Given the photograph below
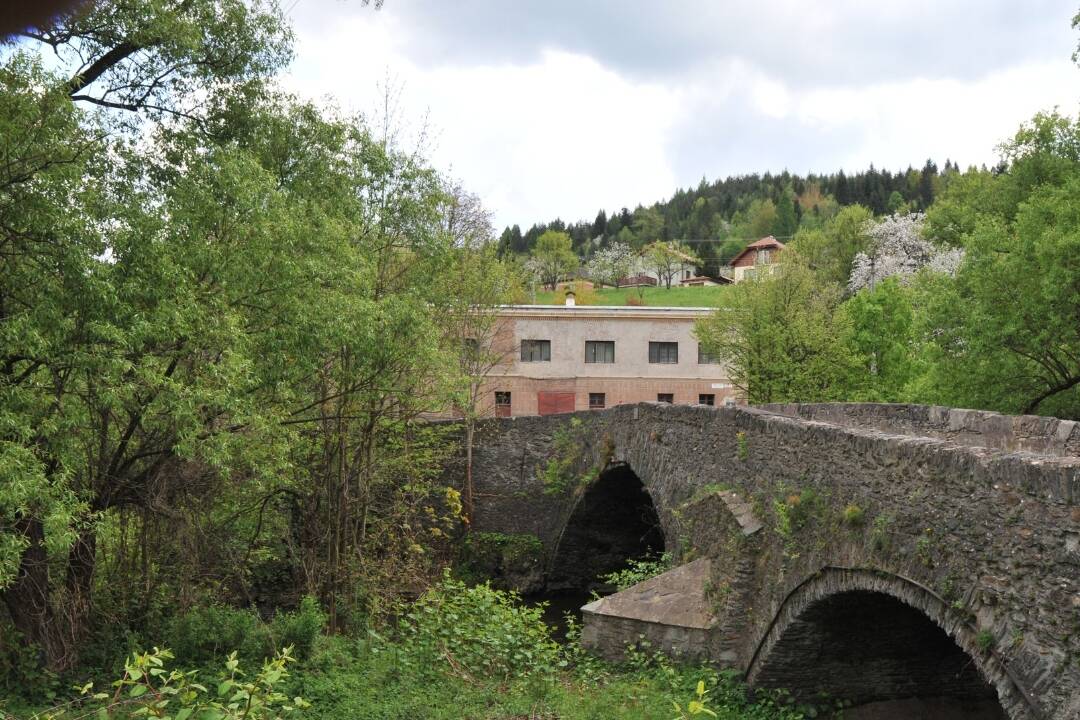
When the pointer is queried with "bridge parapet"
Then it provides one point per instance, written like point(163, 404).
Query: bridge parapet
point(976, 428)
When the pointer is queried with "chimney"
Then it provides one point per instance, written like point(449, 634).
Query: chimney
point(570, 298)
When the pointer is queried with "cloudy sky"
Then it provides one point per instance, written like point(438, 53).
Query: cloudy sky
point(556, 108)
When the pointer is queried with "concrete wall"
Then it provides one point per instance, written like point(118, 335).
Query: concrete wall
point(988, 539)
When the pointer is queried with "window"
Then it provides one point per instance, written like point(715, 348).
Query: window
point(706, 399)
point(596, 401)
point(705, 358)
point(665, 397)
point(502, 404)
point(763, 257)
point(535, 351)
point(599, 351)
point(664, 352)
point(470, 347)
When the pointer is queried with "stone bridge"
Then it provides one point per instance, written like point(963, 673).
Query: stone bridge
point(919, 562)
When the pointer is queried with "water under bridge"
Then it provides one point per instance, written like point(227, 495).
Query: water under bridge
point(917, 561)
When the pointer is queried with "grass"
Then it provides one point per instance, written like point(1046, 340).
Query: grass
point(653, 296)
point(365, 683)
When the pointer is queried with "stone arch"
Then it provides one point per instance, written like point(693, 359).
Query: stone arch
point(824, 594)
point(611, 520)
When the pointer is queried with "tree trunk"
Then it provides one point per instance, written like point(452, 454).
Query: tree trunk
point(29, 600)
point(467, 490)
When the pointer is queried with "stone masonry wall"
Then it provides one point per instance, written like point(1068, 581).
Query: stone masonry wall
point(977, 428)
point(992, 535)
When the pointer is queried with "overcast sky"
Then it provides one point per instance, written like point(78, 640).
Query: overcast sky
point(556, 108)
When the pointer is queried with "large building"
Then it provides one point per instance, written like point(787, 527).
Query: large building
point(558, 359)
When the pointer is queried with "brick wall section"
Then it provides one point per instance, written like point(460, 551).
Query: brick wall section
point(995, 534)
point(617, 391)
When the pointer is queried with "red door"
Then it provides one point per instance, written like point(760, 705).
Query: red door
point(553, 403)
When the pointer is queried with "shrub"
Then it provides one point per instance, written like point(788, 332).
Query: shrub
point(207, 633)
point(509, 560)
point(476, 632)
point(299, 629)
point(147, 689)
point(638, 571)
point(879, 540)
point(854, 516)
point(21, 673)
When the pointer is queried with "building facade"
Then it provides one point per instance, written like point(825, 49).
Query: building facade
point(756, 258)
point(558, 359)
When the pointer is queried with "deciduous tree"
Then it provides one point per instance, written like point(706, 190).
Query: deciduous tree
point(553, 258)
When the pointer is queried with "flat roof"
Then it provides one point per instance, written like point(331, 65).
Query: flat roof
point(608, 310)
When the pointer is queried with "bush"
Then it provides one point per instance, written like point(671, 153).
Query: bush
point(147, 689)
point(475, 633)
point(21, 673)
point(509, 561)
point(299, 629)
point(854, 516)
point(638, 571)
point(204, 634)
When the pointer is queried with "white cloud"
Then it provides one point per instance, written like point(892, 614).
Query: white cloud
point(563, 132)
point(562, 135)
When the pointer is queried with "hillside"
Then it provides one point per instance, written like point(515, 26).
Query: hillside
point(718, 218)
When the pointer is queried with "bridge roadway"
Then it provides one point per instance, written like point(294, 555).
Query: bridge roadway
point(924, 561)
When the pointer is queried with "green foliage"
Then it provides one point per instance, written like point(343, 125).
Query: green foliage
point(207, 632)
point(638, 570)
point(21, 673)
point(742, 446)
point(924, 546)
point(985, 640)
point(1021, 233)
point(666, 259)
point(553, 258)
point(880, 540)
point(830, 250)
point(697, 706)
point(491, 555)
point(853, 515)
point(883, 334)
point(786, 223)
point(795, 512)
point(148, 689)
point(782, 339)
point(476, 632)
point(559, 475)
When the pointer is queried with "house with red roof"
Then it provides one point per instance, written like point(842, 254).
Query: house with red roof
point(757, 257)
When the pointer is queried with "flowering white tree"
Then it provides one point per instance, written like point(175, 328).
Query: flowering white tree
point(612, 264)
point(897, 248)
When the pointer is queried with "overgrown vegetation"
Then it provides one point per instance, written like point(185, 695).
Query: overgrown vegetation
point(562, 475)
point(639, 570)
point(458, 652)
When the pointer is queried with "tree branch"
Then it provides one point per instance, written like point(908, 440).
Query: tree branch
point(100, 66)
